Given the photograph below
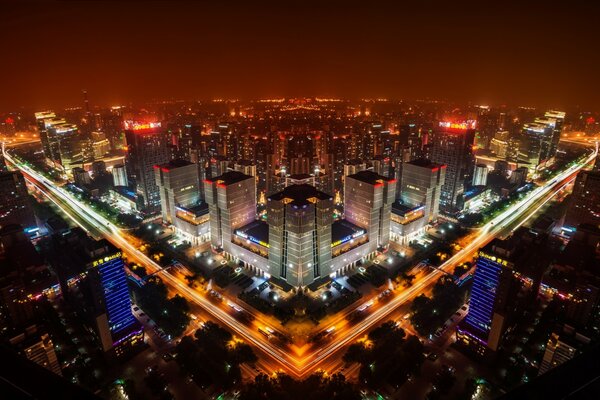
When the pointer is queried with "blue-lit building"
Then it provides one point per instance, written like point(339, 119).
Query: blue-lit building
point(93, 282)
point(484, 325)
point(118, 329)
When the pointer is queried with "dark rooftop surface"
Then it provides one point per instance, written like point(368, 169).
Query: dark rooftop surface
point(230, 177)
point(578, 378)
point(258, 230)
point(177, 163)
point(342, 229)
point(400, 208)
point(299, 194)
point(197, 210)
point(369, 177)
point(424, 162)
point(300, 176)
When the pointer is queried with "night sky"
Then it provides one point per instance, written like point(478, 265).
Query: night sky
point(538, 54)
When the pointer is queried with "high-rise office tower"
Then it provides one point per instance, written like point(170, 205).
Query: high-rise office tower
point(147, 146)
point(93, 281)
point(15, 207)
point(484, 324)
point(562, 346)
point(45, 119)
point(453, 147)
point(119, 174)
point(177, 181)
point(585, 200)
point(300, 219)
point(69, 141)
point(118, 329)
point(559, 118)
point(535, 143)
point(37, 346)
point(480, 175)
point(422, 182)
point(231, 203)
point(247, 167)
point(368, 199)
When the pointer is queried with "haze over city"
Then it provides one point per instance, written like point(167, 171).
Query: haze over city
point(518, 53)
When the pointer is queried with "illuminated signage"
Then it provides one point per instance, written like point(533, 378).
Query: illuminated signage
point(493, 258)
point(103, 260)
point(470, 124)
point(348, 238)
point(140, 126)
point(251, 238)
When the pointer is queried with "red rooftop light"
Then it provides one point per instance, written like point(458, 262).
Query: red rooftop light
point(464, 125)
point(140, 126)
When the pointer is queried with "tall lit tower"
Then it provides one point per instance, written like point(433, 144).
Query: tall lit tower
point(484, 325)
point(117, 327)
point(147, 146)
point(368, 199)
point(453, 147)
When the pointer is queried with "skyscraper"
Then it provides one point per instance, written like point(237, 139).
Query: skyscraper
point(535, 143)
point(368, 199)
point(147, 146)
point(232, 204)
point(480, 175)
point(37, 346)
point(15, 207)
point(177, 181)
point(299, 219)
point(117, 328)
point(562, 346)
point(453, 147)
point(485, 322)
point(422, 181)
point(44, 119)
point(584, 205)
point(119, 174)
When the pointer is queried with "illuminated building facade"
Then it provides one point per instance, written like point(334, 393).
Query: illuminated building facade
point(480, 175)
point(14, 201)
point(44, 120)
point(180, 201)
point(177, 181)
point(585, 200)
point(368, 199)
point(118, 329)
point(119, 174)
point(422, 182)
point(231, 199)
point(562, 346)
point(147, 146)
point(452, 145)
point(484, 324)
point(299, 219)
point(535, 143)
point(37, 346)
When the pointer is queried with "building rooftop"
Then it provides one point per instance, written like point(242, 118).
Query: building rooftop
point(300, 194)
point(245, 162)
point(256, 231)
point(229, 178)
point(370, 177)
point(177, 163)
point(400, 208)
point(198, 209)
point(300, 177)
point(426, 163)
point(342, 231)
